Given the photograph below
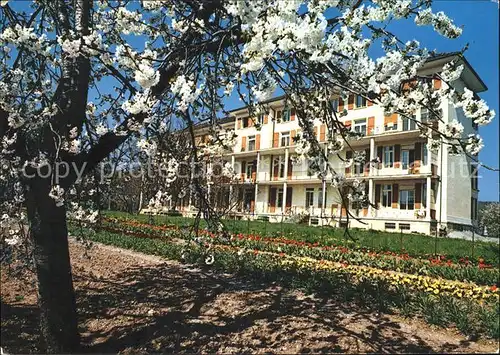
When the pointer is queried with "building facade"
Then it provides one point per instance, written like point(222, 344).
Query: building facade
point(413, 188)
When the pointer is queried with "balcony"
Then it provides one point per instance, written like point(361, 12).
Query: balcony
point(296, 175)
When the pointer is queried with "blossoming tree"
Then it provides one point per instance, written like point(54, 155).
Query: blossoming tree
point(79, 77)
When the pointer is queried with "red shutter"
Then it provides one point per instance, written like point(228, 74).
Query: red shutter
point(371, 125)
point(367, 162)
point(272, 199)
point(288, 202)
point(418, 195)
point(276, 170)
point(380, 152)
point(418, 157)
point(243, 166)
point(395, 195)
point(276, 138)
point(397, 155)
point(243, 143)
point(290, 169)
point(350, 102)
point(322, 133)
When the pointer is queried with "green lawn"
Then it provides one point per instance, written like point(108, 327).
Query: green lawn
point(411, 243)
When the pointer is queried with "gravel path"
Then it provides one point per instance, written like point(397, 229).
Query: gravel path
point(133, 303)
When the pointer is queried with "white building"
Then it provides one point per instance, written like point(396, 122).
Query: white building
point(414, 189)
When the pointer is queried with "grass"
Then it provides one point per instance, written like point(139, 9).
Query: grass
point(412, 243)
point(469, 316)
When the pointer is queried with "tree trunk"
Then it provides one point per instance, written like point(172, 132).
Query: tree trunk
point(56, 296)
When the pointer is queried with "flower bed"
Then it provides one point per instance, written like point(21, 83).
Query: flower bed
point(439, 266)
point(472, 308)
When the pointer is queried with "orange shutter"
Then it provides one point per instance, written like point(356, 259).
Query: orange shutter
point(347, 124)
point(276, 138)
point(250, 122)
point(350, 102)
point(371, 125)
point(243, 143)
point(266, 119)
point(293, 133)
point(292, 114)
point(437, 84)
point(257, 142)
point(322, 132)
point(316, 132)
point(341, 105)
point(239, 123)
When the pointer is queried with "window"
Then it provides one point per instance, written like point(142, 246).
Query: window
point(388, 156)
point(249, 169)
point(409, 124)
point(390, 225)
point(320, 197)
point(424, 115)
point(425, 157)
point(282, 167)
point(260, 119)
point(335, 105)
point(251, 143)
point(360, 126)
point(405, 159)
point(360, 101)
point(279, 167)
point(387, 195)
point(279, 198)
point(245, 121)
point(285, 116)
point(390, 126)
point(285, 139)
point(404, 226)
point(309, 197)
point(407, 199)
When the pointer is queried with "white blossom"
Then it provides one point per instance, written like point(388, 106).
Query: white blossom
point(57, 194)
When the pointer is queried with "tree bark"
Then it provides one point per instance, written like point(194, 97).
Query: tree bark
point(56, 296)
